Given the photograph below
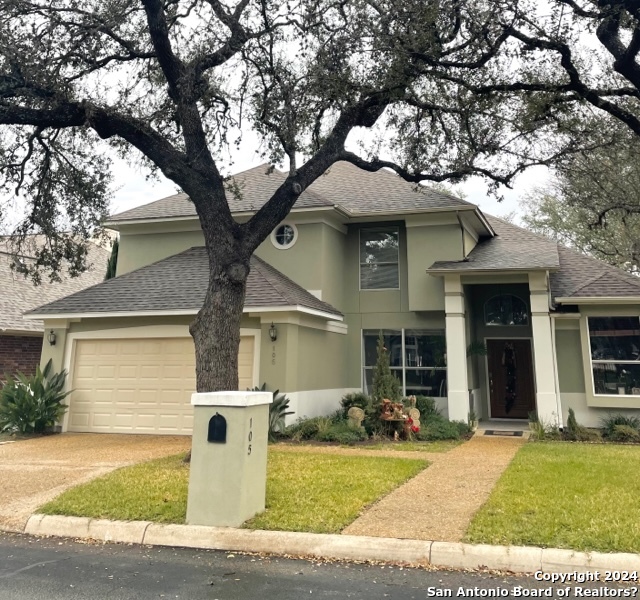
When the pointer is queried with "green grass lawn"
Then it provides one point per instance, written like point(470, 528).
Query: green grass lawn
point(439, 446)
point(579, 496)
point(305, 492)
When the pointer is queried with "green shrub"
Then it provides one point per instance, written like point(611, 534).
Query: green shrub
point(438, 429)
point(359, 399)
point(342, 433)
point(610, 422)
point(464, 428)
point(31, 404)
point(427, 407)
point(625, 433)
point(308, 429)
point(574, 431)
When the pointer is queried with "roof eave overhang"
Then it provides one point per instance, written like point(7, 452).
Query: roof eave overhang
point(179, 313)
point(440, 272)
point(597, 300)
point(111, 224)
point(22, 332)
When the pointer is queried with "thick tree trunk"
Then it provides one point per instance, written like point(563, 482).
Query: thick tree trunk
point(216, 328)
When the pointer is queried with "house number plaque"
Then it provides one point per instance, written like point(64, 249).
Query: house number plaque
point(250, 436)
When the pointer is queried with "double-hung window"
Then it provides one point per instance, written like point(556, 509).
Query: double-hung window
point(416, 357)
point(615, 354)
point(379, 257)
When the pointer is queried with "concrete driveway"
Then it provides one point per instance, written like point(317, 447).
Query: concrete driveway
point(33, 472)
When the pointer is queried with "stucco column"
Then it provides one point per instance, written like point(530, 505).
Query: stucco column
point(543, 350)
point(457, 385)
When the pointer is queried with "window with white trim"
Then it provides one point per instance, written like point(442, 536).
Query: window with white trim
point(379, 258)
point(284, 236)
point(417, 358)
point(614, 344)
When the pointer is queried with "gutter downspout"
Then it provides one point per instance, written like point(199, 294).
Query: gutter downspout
point(464, 250)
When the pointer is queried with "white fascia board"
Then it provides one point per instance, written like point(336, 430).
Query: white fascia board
point(599, 300)
point(294, 308)
point(110, 315)
point(356, 216)
point(22, 332)
point(461, 272)
point(178, 313)
point(245, 213)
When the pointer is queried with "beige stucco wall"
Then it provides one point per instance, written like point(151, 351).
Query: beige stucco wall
point(123, 326)
point(140, 249)
point(571, 373)
point(425, 245)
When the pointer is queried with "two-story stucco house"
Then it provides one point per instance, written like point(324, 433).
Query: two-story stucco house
point(360, 253)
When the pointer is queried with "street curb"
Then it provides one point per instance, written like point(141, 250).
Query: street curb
point(517, 559)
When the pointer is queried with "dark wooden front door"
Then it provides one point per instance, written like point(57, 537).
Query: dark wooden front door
point(511, 385)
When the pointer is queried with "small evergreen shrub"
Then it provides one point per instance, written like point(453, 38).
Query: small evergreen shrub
point(611, 421)
point(437, 430)
point(358, 399)
point(30, 404)
point(576, 432)
point(343, 433)
point(625, 433)
point(385, 383)
point(308, 429)
point(427, 407)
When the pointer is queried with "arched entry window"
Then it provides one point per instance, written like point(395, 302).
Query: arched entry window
point(506, 309)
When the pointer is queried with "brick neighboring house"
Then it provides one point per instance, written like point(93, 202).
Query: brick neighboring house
point(21, 340)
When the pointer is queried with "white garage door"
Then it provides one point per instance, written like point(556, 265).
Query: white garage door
point(139, 385)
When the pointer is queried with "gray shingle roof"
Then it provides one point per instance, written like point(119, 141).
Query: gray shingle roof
point(256, 185)
point(512, 248)
point(360, 191)
point(20, 295)
point(179, 283)
point(342, 185)
point(573, 275)
point(581, 276)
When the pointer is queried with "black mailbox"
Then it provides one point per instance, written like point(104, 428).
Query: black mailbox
point(217, 429)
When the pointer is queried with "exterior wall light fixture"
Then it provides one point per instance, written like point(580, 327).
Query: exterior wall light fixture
point(273, 333)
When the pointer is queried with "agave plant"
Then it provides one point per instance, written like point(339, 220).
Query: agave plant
point(277, 411)
point(30, 404)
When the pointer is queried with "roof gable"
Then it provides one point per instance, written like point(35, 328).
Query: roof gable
point(513, 248)
point(343, 185)
point(20, 295)
point(582, 276)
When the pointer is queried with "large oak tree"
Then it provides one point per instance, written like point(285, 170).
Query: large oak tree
point(404, 84)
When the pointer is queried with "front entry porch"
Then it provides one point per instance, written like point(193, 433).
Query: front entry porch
point(500, 351)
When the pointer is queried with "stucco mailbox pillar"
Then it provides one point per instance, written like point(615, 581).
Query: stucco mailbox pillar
point(228, 476)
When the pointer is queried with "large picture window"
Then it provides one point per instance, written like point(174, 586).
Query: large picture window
point(416, 357)
point(379, 252)
point(614, 343)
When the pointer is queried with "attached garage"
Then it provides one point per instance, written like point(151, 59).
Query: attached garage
point(141, 385)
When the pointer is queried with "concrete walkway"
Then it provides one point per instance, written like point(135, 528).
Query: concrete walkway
point(35, 471)
point(439, 503)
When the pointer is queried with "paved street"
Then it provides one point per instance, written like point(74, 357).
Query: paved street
point(56, 569)
point(53, 569)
